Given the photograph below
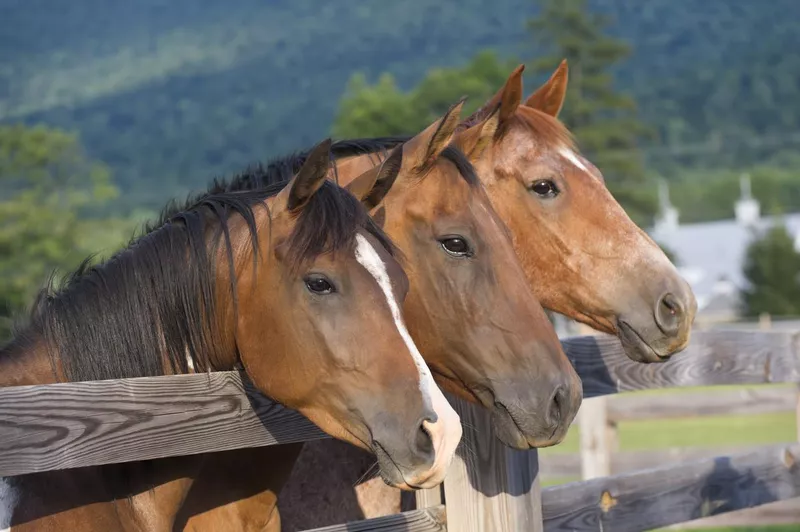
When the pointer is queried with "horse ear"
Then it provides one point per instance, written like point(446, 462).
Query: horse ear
point(474, 140)
point(425, 148)
point(506, 100)
point(310, 177)
point(372, 186)
point(549, 98)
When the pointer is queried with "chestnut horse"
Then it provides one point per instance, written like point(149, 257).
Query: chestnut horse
point(469, 310)
point(290, 282)
point(581, 253)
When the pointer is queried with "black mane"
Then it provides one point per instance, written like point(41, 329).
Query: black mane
point(117, 319)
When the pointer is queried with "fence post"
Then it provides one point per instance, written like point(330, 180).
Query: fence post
point(597, 433)
point(595, 440)
point(491, 488)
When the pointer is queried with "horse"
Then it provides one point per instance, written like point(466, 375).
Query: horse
point(483, 334)
point(581, 253)
point(289, 284)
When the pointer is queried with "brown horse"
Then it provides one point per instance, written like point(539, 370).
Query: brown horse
point(581, 253)
point(288, 281)
point(468, 309)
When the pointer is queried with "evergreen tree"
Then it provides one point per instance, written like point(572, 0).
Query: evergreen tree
point(603, 119)
point(772, 270)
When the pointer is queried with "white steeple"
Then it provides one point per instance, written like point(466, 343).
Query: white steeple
point(666, 223)
point(748, 210)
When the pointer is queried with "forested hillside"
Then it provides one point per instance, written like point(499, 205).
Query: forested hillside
point(171, 93)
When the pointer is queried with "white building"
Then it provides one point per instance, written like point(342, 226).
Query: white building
point(710, 255)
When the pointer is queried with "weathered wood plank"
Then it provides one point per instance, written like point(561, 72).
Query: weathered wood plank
point(425, 520)
point(489, 486)
point(713, 357)
point(775, 513)
point(79, 424)
point(768, 400)
point(668, 495)
point(430, 497)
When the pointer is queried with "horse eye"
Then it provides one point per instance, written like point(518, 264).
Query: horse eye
point(319, 285)
point(545, 188)
point(456, 246)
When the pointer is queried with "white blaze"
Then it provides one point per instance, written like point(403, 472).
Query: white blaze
point(446, 432)
point(371, 261)
point(8, 501)
point(569, 155)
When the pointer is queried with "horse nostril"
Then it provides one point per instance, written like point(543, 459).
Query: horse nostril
point(557, 404)
point(669, 314)
point(424, 441)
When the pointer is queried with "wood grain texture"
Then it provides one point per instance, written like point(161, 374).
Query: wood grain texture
point(81, 424)
point(490, 487)
point(767, 400)
point(713, 357)
point(69, 425)
point(425, 520)
point(430, 497)
point(595, 438)
point(668, 495)
point(776, 513)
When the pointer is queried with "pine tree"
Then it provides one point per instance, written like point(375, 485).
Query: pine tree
point(602, 118)
point(772, 270)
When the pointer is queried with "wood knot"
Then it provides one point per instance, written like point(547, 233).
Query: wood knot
point(607, 502)
point(788, 458)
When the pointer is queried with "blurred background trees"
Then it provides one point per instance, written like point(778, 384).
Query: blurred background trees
point(166, 96)
point(51, 194)
point(772, 269)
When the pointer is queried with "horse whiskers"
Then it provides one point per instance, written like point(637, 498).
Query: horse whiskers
point(468, 426)
point(368, 473)
point(469, 454)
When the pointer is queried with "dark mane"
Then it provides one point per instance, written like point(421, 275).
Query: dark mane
point(280, 170)
point(465, 168)
point(154, 302)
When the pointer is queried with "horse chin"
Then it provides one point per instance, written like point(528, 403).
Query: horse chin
point(635, 346)
point(389, 471)
point(507, 431)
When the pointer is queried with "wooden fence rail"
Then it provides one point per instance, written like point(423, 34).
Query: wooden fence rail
point(664, 496)
point(491, 488)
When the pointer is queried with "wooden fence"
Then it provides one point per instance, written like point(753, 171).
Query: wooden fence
point(490, 488)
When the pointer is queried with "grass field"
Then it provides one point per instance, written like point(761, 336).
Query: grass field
point(711, 431)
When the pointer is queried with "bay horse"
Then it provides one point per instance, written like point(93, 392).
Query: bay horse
point(482, 333)
point(289, 283)
point(582, 255)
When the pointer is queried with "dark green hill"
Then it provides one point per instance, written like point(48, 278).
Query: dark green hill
point(171, 93)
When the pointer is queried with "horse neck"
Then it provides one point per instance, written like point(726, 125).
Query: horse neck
point(26, 363)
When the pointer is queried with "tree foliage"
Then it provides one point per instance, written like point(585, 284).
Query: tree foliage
point(383, 109)
point(49, 188)
point(772, 270)
point(170, 94)
point(603, 119)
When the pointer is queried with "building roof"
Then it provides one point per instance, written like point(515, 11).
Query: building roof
point(710, 255)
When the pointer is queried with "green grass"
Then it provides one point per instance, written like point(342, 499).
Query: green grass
point(708, 431)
